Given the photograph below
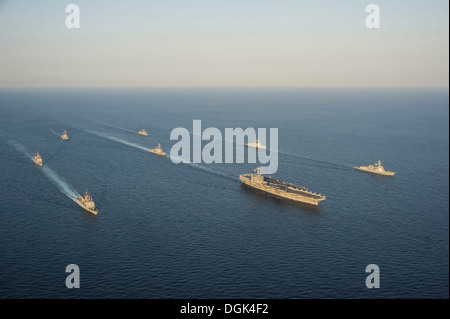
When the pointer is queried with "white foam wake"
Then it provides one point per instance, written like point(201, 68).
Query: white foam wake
point(119, 140)
point(20, 148)
point(118, 127)
point(201, 167)
point(55, 133)
point(63, 186)
point(315, 160)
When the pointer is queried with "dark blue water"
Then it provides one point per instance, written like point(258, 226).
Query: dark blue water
point(168, 230)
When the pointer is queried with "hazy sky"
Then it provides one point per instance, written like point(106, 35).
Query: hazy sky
point(164, 43)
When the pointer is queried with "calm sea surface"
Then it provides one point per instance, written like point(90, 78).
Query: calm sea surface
point(168, 230)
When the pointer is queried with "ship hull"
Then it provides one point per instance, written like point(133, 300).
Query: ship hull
point(157, 153)
point(143, 134)
point(64, 138)
point(285, 195)
point(92, 211)
point(37, 163)
point(256, 146)
point(387, 173)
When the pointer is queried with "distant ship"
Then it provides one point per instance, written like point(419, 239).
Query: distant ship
point(158, 150)
point(281, 189)
point(377, 168)
point(143, 132)
point(38, 159)
point(64, 136)
point(87, 203)
point(256, 144)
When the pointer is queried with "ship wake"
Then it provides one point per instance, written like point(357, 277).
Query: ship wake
point(20, 148)
point(203, 168)
point(119, 140)
point(117, 127)
point(125, 142)
point(63, 186)
point(53, 132)
point(324, 164)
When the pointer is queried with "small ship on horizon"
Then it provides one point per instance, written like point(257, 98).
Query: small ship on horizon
point(377, 168)
point(64, 136)
point(256, 144)
point(281, 189)
point(38, 159)
point(143, 132)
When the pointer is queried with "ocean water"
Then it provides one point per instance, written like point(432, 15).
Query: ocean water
point(168, 230)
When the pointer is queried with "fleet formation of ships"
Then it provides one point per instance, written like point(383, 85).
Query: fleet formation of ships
point(263, 183)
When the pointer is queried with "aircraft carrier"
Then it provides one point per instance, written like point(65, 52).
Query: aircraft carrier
point(281, 189)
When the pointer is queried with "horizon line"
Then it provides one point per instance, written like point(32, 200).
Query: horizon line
point(224, 87)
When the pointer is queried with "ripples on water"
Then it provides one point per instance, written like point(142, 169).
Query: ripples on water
point(192, 230)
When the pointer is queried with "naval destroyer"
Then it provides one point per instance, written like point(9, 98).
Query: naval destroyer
point(377, 168)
